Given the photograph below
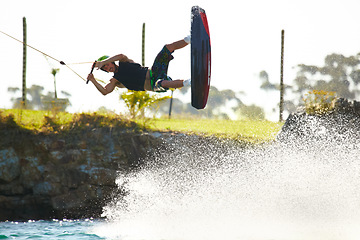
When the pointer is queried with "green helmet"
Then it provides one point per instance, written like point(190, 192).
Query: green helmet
point(103, 58)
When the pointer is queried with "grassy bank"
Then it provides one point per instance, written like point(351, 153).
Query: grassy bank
point(247, 130)
point(251, 131)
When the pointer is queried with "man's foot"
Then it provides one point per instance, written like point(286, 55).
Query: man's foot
point(187, 82)
point(187, 39)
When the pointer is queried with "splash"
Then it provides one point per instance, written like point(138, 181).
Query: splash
point(206, 190)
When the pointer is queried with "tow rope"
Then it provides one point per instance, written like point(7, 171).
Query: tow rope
point(61, 62)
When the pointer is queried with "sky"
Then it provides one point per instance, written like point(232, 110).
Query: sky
point(245, 40)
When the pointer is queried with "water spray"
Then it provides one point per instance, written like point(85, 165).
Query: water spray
point(204, 190)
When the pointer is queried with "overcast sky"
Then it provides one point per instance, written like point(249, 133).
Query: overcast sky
point(245, 38)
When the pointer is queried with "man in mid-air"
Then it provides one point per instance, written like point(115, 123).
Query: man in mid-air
point(133, 76)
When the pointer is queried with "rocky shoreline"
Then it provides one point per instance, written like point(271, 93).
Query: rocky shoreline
point(71, 176)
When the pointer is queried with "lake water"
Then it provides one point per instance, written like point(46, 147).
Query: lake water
point(55, 229)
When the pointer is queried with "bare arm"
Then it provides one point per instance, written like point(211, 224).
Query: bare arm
point(119, 57)
point(104, 90)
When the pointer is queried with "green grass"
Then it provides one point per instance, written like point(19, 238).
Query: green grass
point(34, 120)
point(251, 131)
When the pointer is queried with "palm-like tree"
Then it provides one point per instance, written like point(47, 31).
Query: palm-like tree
point(54, 71)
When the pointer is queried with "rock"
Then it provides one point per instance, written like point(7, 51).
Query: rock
point(57, 155)
point(13, 188)
point(82, 145)
point(72, 176)
point(343, 123)
point(156, 134)
point(9, 165)
point(31, 172)
point(58, 145)
point(47, 189)
point(102, 176)
point(74, 199)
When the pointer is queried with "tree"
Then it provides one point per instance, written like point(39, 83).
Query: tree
point(54, 71)
point(49, 102)
point(218, 99)
point(137, 101)
point(37, 98)
point(266, 84)
point(34, 102)
point(339, 74)
point(251, 112)
point(35, 92)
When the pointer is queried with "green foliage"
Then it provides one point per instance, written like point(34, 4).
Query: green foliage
point(54, 71)
point(54, 104)
point(249, 131)
point(7, 121)
point(137, 101)
point(319, 102)
point(43, 121)
point(336, 75)
point(95, 120)
point(50, 124)
point(251, 112)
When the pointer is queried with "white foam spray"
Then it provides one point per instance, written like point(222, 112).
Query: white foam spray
point(200, 191)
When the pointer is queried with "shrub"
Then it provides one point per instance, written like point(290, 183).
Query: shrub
point(319, 102)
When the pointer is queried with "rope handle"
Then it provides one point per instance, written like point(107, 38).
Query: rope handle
point(92, 69)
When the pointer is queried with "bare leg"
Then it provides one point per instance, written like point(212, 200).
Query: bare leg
point(176, 45)
point(172, 47)
point(172, 84)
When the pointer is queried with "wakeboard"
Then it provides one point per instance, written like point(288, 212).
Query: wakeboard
point(200, 58)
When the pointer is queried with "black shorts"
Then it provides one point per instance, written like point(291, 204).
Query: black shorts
point(160, 67)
